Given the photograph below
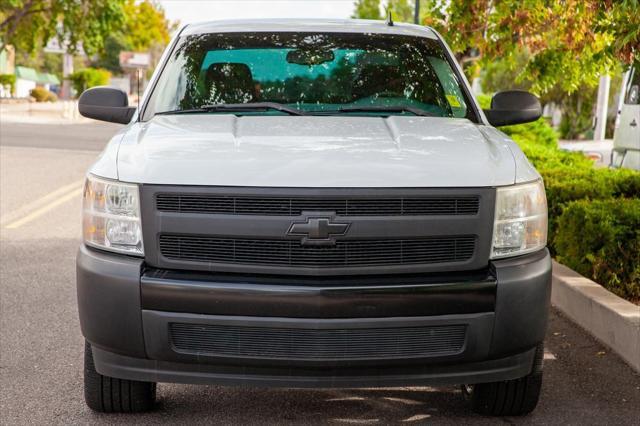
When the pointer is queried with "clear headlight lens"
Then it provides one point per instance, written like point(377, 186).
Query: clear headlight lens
point(521, 220)
point(111, 216)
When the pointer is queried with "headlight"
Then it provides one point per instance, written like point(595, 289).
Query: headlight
point(520, 220)
point(111, 216)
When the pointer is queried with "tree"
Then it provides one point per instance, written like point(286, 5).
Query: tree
point(570, 42)
point(367, 9)
point(145, 29)
point(145, 25)
point(88, 77)
point(401, 10)
point(109, 56)
point(30, 24)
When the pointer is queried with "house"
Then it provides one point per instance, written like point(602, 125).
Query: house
point(49, 81)
point(28, 79)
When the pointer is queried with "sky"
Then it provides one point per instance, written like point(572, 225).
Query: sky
point(189, 11)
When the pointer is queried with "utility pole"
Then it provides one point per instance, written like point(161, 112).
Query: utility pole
point(67, 69)
point(416, 13)
point(601, 108)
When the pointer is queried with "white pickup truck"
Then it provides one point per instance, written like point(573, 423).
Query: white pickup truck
point(312, 204)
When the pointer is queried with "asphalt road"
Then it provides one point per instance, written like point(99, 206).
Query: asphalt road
point(41, 168)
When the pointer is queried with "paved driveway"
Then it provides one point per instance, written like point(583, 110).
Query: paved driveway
point(41, 168)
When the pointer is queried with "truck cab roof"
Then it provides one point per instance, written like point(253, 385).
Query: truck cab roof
point(309, 25)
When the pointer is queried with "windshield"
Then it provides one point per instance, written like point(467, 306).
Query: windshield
point(315, 73)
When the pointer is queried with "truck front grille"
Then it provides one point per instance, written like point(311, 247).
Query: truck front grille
point(316, 231)
point(343, 254)
point(314, 344)
point(281, 206)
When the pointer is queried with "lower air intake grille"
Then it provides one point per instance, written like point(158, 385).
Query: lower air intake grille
point(308, 344)
point(291, 253)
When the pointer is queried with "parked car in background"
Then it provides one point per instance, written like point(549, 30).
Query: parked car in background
point(626, 139)
point(598, 151)
point(313, 204)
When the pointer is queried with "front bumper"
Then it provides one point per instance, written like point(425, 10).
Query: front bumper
point(126, 313)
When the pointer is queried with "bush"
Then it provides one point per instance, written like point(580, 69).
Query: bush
point(601, 240)
point(538, 132)
point(579, 196)
point(89, 77)
point(8, 80)
point(43, 95)
point(568, 179)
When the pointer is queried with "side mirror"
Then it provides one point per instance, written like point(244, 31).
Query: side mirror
point(513, 107)
point(106, 104)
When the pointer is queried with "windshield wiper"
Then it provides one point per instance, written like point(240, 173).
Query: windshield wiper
point(392, 108)
point(248, 107)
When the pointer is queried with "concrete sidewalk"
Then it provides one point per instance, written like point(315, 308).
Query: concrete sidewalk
point(609, 318)
point(60, 112)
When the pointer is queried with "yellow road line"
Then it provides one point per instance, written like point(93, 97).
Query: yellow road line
point(36, 204)
point(42, 210)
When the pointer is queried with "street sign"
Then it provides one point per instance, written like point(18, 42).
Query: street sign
point(135, 60)
point(54, 46)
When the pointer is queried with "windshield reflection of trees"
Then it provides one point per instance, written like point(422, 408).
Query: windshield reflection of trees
point(403, 75)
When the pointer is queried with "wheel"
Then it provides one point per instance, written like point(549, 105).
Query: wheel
point(110, 395)
point(511, 397)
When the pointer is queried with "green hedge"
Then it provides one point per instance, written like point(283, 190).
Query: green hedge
point(89, 77)
point(566, 182)
point(539, 132)
point(573, 184)
point(601, 240)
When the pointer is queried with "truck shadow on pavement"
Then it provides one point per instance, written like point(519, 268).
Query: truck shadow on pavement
point(344, 406)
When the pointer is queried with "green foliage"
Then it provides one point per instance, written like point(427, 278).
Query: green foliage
point(40, 94)
point(484, 101)
point(567, 44)
point(367, 9)
point(145, 25)
point(601, 240)
point(594, 213)
point(88, 77)
point(145, 29)
point(401, 10)
point(29, 24)
point(577, 106)
point(8, 80)
point(500, 75)
point(577, 113)
point(538, 132)
point(109, 56)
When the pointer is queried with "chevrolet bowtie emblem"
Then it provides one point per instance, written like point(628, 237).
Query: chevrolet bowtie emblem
point(318, 230)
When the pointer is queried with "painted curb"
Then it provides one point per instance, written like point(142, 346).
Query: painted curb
point(611, 319)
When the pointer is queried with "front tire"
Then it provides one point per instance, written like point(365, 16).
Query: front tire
point(110, 395)
point(511, 397)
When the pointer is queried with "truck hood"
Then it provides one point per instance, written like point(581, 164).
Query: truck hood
point(314, 151)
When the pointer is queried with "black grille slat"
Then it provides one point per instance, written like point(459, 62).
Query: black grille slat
point(316, 344)
point(291, 253)
point(274, 206)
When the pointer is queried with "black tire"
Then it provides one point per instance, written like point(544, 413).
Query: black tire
point(110, 395)
point(511, 397)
